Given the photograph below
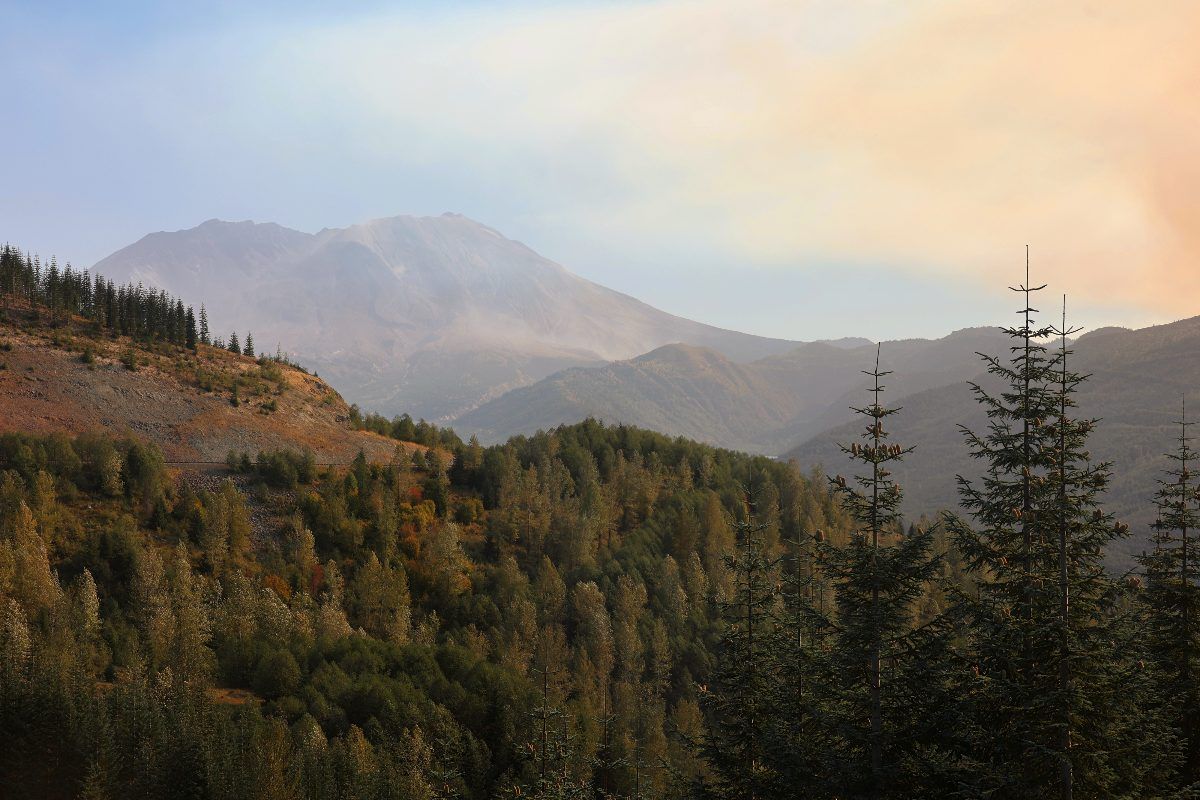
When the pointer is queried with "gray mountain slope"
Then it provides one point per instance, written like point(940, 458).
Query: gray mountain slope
point(764, 406)
point(1138, 380)
point(426, 315)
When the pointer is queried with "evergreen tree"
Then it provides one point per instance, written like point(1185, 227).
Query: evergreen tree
point(112, 310)
point(190, 340)
point(1053, 707)
point(887, 693)
point(550, 747)
point(437, 483)
point(177, 333)
point(1009, 613)
point(1172, 599)
point(51, 290)
point(248, 350)
point(797, 732)
point(204, 336)
point(234, 345)
point(739, 697)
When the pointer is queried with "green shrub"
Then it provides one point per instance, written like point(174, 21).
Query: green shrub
point(268, 370)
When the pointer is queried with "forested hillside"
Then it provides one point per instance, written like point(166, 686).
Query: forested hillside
point(392, 630)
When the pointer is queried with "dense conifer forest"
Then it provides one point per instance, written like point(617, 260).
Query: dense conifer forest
point(594, 611)
point(402, 428)
point(142, 313)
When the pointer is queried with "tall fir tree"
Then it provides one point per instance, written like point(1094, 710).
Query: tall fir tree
point(204, 335)
point(1058, 673)
point(234, 345)
point(248, 349)
point(178, 327)
point(190, 336)
point(1010, 614)
point(1172, 598)
point(886, 699)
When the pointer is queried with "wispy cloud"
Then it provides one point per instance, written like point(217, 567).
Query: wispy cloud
point(934, 137)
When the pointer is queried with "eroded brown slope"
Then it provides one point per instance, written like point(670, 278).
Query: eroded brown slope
point(46, 386)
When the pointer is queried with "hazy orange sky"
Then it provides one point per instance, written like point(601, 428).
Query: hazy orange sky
point(757, 164)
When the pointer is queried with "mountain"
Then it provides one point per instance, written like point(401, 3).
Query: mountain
point(677, 389)
point(764, 406)
point(427, 315)
point(1138, 380)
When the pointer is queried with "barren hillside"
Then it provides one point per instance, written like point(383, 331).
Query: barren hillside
point(66, 379)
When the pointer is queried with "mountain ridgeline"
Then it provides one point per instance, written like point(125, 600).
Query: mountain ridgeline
point(761, 406)
point(426, 315)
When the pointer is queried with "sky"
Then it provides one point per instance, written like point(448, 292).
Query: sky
point(796, 169)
